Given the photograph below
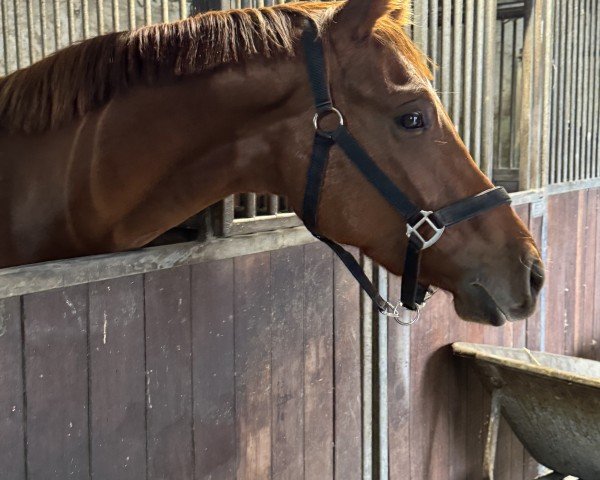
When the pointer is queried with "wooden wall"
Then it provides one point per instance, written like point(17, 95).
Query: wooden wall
point(250, 368)
point(246, 368)
point(437, 406)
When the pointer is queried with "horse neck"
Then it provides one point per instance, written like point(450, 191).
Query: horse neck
point(162, 154)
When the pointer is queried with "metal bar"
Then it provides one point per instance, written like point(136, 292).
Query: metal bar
point(596, 96)
point(433, 38)
point(420, 26)
point(273, 204)
point(116, 16)
point(525, 111)
point(131, 12)
point(457, 53)
point(250, 205)
point(588, 89)
point(446, 73)
point(548, 40)
point(515, 94)
point(4, 19)
point(578, 91)
point(85, 18)
point(561, 86)
point(42, 6)
point(567, 86)
point(478, 78)
point(148, 12)
point(57, 24)
point(366, 313)
point(71, 20)
point(488, 85)
point(183, 11)
point(165, 11)
point(382, 364)
point(17, 33)
point(572, 64)
point(100, 14)
point(30, 39)
point(468, 79)
point(500, 160)
point(555, 95)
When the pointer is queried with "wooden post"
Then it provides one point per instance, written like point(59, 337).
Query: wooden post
point(536, 90)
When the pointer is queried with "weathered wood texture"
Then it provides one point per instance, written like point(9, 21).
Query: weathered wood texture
point(438, 408)
point(238, 368)
point(250, 368)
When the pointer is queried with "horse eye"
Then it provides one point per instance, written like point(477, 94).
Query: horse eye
point(411, 121)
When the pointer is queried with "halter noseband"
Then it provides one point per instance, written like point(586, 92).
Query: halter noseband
point(413, 295)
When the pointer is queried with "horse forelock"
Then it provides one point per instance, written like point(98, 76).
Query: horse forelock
point(86, 75)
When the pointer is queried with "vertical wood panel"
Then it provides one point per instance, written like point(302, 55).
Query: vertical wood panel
point(287, 362)
point(169, 374)
point(12, 434)
point(347, 362)
point(253, 365)
point(429, 366)
point(318, 366)
point(56, 362)
point(214, 381)
point(117, 379)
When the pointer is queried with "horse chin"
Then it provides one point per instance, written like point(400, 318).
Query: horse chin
point(475, 304)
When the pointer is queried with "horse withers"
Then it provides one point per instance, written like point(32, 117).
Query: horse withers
point(108, 143)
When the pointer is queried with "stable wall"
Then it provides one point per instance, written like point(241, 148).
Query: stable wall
point(210, 365)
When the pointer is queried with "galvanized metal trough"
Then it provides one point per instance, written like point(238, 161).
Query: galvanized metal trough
point(552, 403)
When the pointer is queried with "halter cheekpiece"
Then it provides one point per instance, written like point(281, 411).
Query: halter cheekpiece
point(413, 295)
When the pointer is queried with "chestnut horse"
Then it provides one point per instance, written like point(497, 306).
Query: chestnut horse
point(110, 142)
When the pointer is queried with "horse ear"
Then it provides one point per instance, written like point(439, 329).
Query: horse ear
point(358, 17)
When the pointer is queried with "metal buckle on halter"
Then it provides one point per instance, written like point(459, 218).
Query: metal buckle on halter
point(393, 311)
point(322, 114)
point(414, 229)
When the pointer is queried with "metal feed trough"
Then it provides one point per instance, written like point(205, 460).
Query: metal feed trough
point(552, 403)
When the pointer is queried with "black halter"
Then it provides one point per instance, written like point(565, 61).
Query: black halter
point(413, 294)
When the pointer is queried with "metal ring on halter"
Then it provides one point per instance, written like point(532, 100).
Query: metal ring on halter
point(320, 115)
point(393, 312)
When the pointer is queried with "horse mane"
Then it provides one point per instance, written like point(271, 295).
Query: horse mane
point(86, 75)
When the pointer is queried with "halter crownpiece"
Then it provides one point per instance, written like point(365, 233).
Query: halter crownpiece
point(413, 294)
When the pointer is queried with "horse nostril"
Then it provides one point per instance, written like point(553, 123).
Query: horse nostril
point(536, 279)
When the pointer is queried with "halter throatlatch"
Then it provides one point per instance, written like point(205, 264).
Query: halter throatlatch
point(413, 295)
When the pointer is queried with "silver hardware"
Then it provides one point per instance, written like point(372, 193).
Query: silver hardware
point(414, 229)
point(318, 116)
point(393, 311)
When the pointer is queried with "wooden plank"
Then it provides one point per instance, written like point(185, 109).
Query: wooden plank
point(347, 361)
point(558, 237)
point(214, 381)
point(168, 374)
point(571, 283)
point(253, 365)
point(399, 369)
point(318, 363)
point(56, 379)
point(287, 359)
point(595, 342)
point(457, 400)
point(585, 343)
point(475, 412)
point(533, 334)
point(12, 422)
point(430, 360)
point(117, 379)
